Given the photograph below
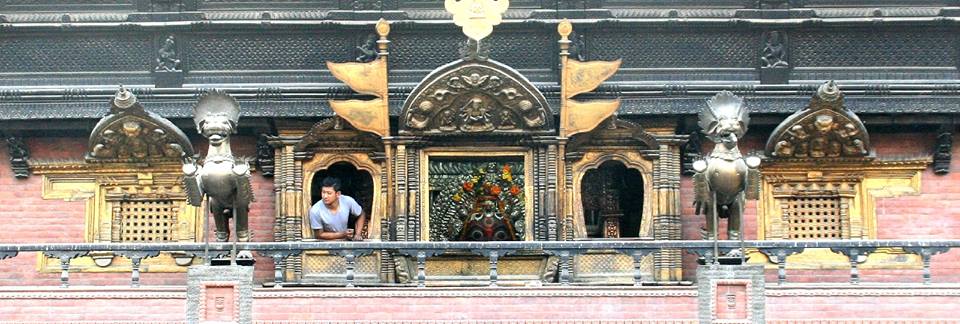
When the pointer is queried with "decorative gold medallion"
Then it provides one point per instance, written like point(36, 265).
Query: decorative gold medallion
point(477, 17)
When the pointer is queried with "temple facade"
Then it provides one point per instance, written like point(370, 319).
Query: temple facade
point(516, 161)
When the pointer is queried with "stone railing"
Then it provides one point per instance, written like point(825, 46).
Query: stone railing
point(565, 251)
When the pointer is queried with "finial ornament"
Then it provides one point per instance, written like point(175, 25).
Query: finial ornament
point(477, 17)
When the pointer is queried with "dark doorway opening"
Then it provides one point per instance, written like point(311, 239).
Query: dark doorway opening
point(612, 197)
point(358, 184)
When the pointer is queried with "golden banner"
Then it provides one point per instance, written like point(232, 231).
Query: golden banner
point(365, 78)
point(580, 77)
point(366, 115)
point(579, 117)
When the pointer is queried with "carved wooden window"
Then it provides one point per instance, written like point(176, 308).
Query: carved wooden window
point(139, 221)
point(814, 217)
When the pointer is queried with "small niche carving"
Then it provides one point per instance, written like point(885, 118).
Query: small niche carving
point(824, 129)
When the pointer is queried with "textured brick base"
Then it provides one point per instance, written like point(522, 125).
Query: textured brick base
point(802, 304)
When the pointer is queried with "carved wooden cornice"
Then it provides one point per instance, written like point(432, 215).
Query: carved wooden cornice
point(615, 132)
point(131, 134)
point(336, 134)
point(824, 129)
point(43, 167)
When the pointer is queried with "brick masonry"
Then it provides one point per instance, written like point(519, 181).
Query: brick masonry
point(663, 305)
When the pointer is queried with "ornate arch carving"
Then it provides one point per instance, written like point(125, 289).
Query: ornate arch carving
point(131, 134)
point(337, 134)
point(632, 160)
point(475, 97)
point(824, 129)
point(615, 132)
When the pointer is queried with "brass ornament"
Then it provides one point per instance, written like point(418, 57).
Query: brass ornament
point(222, 178)
point(722, 180)
point(369, 79)
point(475, 97)
point(580, 77)
point(477, 17)
point(824, 129)
point(131, 134)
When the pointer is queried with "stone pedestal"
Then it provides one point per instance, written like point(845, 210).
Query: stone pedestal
point(219, 294)
point(731, 293)
point(775, 75)
point(168, 79)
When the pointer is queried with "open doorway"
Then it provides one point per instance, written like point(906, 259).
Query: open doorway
point(358, 184)
point(612, 197)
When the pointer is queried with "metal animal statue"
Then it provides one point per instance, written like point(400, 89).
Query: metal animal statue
point(725, 176)
point(224, 179)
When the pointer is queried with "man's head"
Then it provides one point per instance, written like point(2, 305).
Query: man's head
point(330, 190)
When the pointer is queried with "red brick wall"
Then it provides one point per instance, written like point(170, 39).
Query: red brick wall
point(932, 214)
point(28, 218)
point(799, 304)
point(579, 304)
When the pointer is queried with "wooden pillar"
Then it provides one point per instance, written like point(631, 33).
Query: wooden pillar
point(668, 264)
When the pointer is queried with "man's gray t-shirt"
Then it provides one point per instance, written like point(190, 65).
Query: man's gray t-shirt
point(321, 217)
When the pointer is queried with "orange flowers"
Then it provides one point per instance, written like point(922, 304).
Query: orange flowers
point(514, 190)
point(468, 186)
point(495, 190)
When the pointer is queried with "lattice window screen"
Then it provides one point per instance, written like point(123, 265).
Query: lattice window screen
point(814, 218)
point(147, 221)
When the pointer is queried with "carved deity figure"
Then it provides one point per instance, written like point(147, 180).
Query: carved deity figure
point(773, 51)
point(224, 179)
point(368, 51)
point(476, 116)
point(167, 60)
point(488, 194)
point(722, 178)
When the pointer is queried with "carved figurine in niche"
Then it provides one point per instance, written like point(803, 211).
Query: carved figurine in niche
point(578, 47)
point(506, 120)
point(796, 135)
point(135, 146)
point(224, 179)
point(476, 116)
point(445, 122)
point(773, 51)
point(722, 178)
point(848, 135)
point(167, 60)
point(157, 138)
point(493, 205)
point(368, 51)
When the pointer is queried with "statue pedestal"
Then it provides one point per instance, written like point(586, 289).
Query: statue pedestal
point(168, 79)
point(222, 294)
point(731, 293)
point(775, 75)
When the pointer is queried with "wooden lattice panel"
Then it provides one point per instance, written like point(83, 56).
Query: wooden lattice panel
point(814, 218)
point(147, 221)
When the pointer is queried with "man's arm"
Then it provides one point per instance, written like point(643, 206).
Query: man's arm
point(321, 235)
point(361, 221)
